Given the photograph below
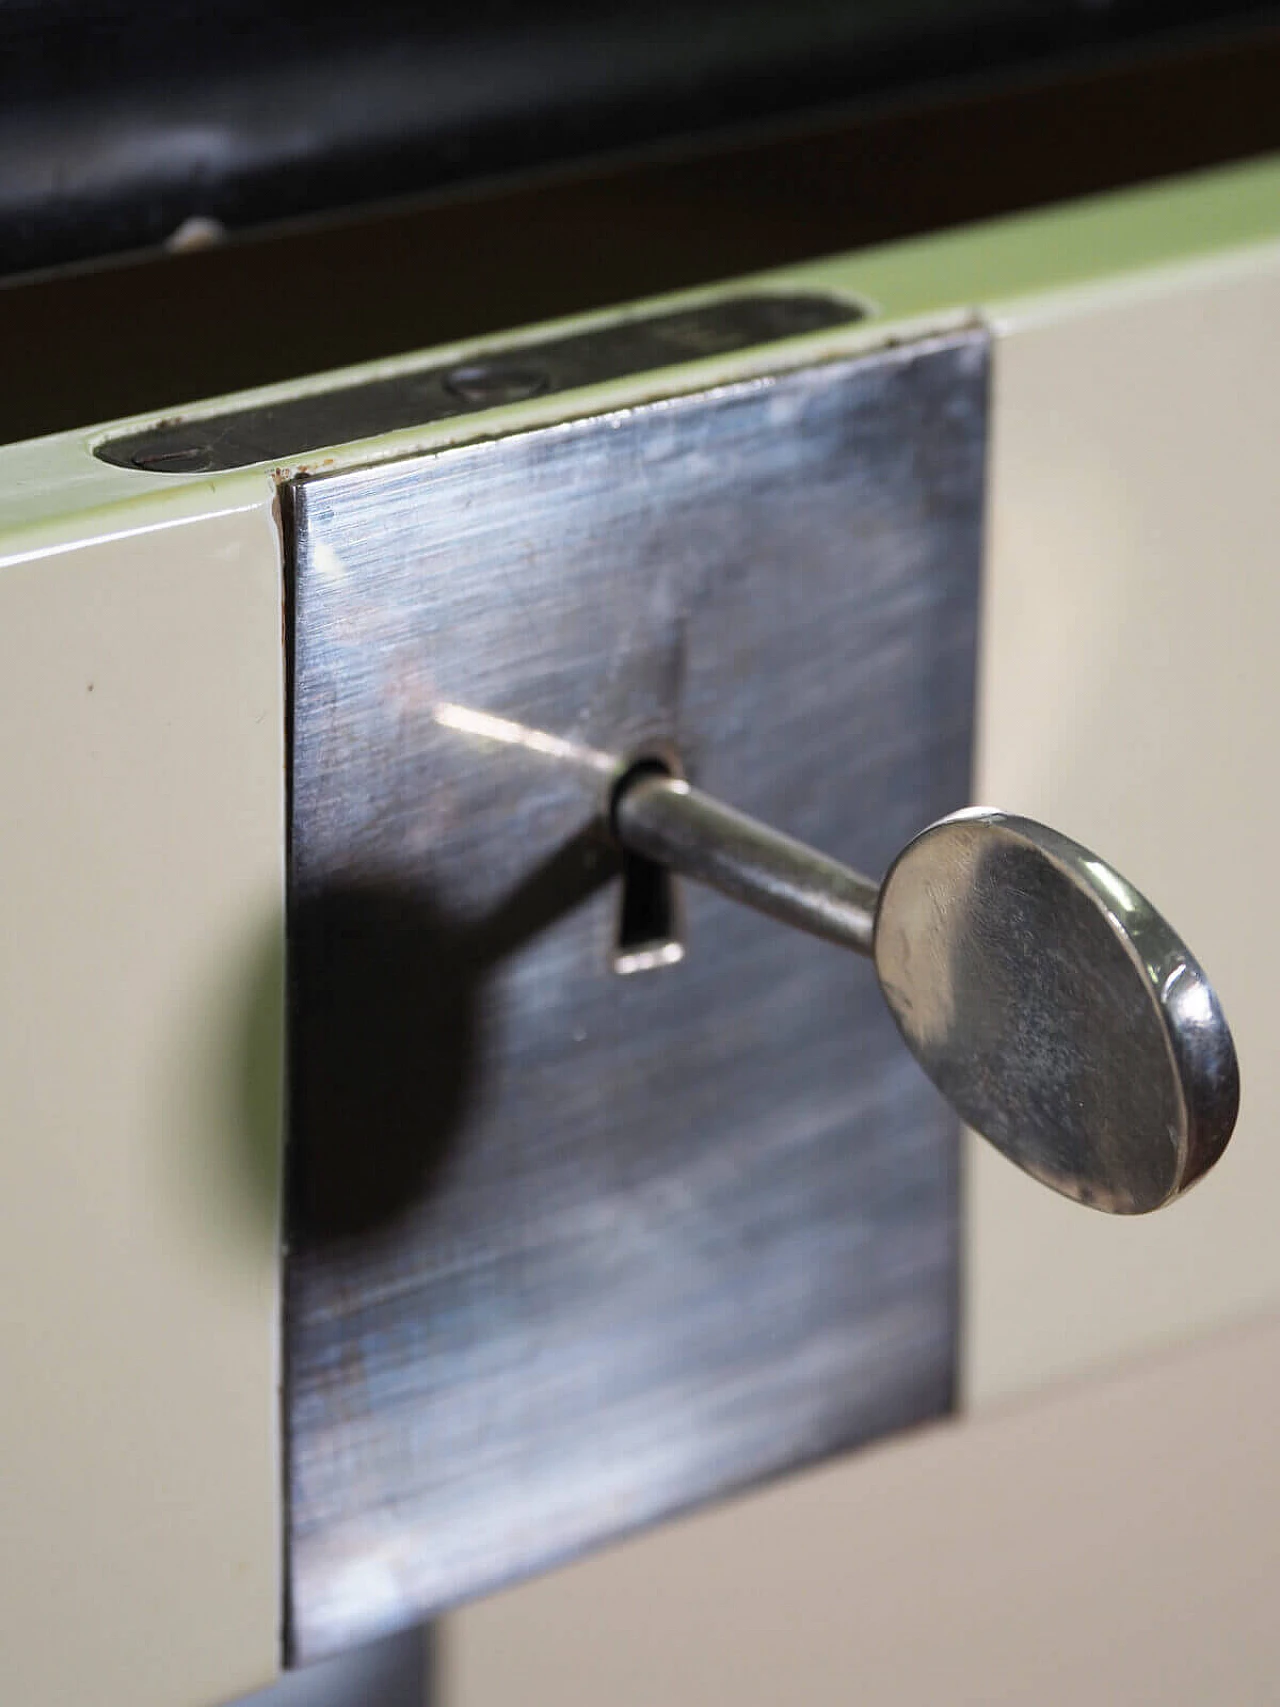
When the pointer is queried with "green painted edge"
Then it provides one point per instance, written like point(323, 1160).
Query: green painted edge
point(1078, 243)
point(55, 493)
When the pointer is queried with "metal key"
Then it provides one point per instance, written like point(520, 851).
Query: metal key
point(1048, 1001)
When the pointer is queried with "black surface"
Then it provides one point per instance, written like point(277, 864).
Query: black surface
point(118, 122)
point(156, 332)
point(92, 345)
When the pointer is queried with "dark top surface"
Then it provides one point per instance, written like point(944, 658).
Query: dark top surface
point(118, 122)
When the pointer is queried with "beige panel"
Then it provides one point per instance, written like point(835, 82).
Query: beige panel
point(1131, 696)
point(1115, 1546)
point(141, 766)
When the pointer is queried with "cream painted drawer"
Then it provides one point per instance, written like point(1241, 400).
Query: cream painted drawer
point(1126, 694)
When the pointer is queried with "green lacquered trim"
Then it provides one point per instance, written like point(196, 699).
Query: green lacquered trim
point(54, 491)
point(1077, 243)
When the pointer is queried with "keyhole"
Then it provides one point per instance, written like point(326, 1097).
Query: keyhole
point(648, 923)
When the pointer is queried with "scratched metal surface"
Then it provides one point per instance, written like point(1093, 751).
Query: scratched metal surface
point(570, 1251)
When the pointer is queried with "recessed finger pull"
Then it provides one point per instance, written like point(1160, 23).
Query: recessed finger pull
point(1048, 1001)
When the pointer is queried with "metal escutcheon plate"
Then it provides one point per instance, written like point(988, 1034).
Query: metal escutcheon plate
point(569, 1251)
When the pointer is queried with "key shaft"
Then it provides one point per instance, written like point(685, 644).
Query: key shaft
point(668, 821)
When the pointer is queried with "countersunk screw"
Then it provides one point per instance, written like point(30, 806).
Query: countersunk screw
point(486, 384)
point(176, 461)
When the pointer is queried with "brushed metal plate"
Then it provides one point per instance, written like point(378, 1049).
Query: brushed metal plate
point(570, 1251)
